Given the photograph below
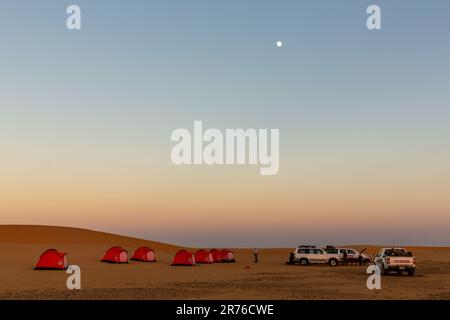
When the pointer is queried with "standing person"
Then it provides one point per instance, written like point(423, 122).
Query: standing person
point(360, 259)
point(291, 258)
point(344, 258)
point(255, 254)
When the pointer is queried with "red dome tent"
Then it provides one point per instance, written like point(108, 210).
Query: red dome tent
point(116, 255)
point(144, 254)
point(215, 255)
point(203, 256)
point(183, 258)
point(226, 255)
point(51, 259)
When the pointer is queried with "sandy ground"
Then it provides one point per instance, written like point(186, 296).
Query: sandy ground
point(20, 246)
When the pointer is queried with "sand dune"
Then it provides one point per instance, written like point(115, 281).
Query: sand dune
point(269, 279)
point(29, 234)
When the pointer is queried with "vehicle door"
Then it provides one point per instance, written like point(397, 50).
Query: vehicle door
point(300, 253)
point(320, 256)
point(352, 255)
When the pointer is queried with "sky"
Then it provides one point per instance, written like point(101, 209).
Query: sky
point(364, 117)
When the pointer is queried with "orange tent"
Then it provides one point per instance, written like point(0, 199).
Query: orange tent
point(215, 255)
point(203, 256)
point(51, 259)
point(116, 255)
point(183, 258)
point(226, 255)
point(144, 254)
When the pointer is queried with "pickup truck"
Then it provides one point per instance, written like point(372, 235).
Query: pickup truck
point(305, 255)
point(396, 259)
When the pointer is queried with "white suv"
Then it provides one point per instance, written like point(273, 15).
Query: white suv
point(309, 254)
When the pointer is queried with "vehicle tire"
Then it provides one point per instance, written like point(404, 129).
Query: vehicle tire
point(399, 272)
point(385, 271)
point(333, 262)
point(304, 262)
point(411, 272)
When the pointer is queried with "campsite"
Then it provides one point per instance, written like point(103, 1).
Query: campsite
point(271, 278)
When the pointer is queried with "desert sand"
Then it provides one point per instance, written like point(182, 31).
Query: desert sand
point(271, 278)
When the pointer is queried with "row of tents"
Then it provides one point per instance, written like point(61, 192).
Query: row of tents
point(53, 259)
point(186, 258)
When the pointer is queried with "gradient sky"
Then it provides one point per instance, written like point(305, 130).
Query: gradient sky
point(364, 119)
